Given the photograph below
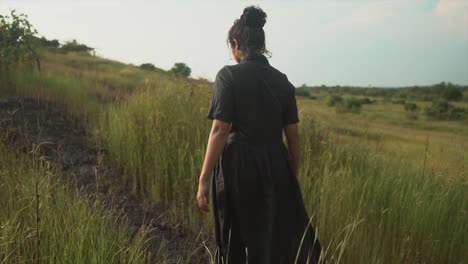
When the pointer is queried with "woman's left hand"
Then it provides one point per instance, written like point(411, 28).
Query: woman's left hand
point(203, 195)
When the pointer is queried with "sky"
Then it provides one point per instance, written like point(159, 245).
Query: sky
point(332, 42)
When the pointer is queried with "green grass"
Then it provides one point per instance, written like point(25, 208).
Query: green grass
point(388, 211)
point(385, 127)
point(373, 190)
point(43, 221)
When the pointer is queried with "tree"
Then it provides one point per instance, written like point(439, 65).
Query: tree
point(451, 93)
point(17, 43)
point(48, 43)
point(148, 66)
point(181, 69)
point(74, 46)
point(442, 110)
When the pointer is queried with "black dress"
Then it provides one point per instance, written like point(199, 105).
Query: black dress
point(258, 206)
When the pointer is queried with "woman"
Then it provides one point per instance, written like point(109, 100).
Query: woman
point(258, 207)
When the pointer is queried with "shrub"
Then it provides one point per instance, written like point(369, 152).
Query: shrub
point(366, 100)
point(48, 43)
point(443, 110)
point(302, 92)
point(451, 93)
point(411, 111)
point(351, 105)
point(17, 43)
point(181, 69)
point(74, 46)
point(148, 66)
point(448, 91)
point(411, 107)
point(333, 100)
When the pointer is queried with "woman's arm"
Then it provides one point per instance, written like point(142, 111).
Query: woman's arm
point(292, 137)
point(218, 137)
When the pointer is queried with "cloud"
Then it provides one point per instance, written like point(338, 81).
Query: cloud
point(454, 14)
point(373, 16)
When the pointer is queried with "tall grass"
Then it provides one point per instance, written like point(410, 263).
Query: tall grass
point(367, 207)
point(379, 209)
point(158, 136)
point(43, 222)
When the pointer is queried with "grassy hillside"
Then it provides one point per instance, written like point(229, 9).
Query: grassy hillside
point(372, 200)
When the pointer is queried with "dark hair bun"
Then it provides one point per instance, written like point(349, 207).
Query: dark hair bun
point(254, 17)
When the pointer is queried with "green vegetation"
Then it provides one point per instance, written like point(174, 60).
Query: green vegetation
point(411, 107)
point(411, 110)
point(334, 100)
point(443, 90)
point(443, 110)
point(303, 92)
point(42, 221)
point(74, 46)
point(365, 205)
point(374, 183)
point(16, 45)
point(348, 104)
point(181, 69)
point(48, 43)
point(148, 66)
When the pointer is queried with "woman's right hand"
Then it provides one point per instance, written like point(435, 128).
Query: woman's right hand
point(203, 194)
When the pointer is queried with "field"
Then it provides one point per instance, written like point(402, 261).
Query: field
point(380, 188)
point(439, 146)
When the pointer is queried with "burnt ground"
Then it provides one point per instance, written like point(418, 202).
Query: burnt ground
point(63, 141)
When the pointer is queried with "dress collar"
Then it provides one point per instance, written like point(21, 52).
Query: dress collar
point(255, 57)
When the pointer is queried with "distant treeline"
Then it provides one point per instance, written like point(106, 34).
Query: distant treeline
point(179, 69)
point(443, 90)
point(69, 46)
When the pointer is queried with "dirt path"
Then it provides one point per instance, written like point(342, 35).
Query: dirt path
point(28, 122)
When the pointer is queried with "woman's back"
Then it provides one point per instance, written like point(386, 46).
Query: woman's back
point(259, 213)
point(257, 98)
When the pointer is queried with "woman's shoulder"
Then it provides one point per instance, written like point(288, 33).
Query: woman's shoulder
point(225, 73)
point(277, 73)
point(281, 79)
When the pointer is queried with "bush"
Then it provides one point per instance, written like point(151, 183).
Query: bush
point(48, 43)
point(411, 107)
point(366, 100)
point(74, 46)
point(302, 92)
point(350, 105)
point(17, 43)
point(448, 92)
point(148, 66)
point(334, 100)
point(181, 69)
point(411, 111)
point(443, 110)
point(451, 93)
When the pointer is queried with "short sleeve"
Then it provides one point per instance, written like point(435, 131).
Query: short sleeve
point(290, 113)
point(222, 102)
